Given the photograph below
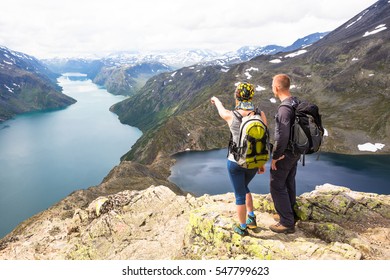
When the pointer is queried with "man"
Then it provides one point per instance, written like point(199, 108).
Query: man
point(284, 162)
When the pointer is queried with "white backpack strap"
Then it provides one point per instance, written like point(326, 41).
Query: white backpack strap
point(238, 115)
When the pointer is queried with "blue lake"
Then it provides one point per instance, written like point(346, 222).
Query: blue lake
point(45, 156)
point(206, 173)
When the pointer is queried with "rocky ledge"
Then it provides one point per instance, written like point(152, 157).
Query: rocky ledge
point(156, 223)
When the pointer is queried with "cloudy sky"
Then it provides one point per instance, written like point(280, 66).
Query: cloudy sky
point(51, 28)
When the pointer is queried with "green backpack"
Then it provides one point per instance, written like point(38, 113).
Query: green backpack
point(253, 148)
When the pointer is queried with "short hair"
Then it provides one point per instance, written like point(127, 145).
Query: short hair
point(283, 81)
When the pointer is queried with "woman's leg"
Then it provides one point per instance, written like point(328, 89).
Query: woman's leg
point(249, 202)
point(249, 175)
point(241, 211)
point(237, 178)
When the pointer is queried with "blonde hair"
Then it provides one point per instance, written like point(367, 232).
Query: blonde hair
point(283, 81)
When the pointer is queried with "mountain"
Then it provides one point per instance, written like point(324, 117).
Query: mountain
point(173, 58)
point(346, 74)
point(126, 72)
point(91, 67)
point(305, 41)
point(118, 74)
point(247, 53)
point(128, 79)
point(27, 85)
point(184, 58)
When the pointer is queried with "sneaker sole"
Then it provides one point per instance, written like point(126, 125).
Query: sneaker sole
point(289, 231)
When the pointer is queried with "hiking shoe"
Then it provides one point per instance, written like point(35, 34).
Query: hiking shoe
point(277, 218)
point(251, 222)
point(279, 228)
point(241, 231)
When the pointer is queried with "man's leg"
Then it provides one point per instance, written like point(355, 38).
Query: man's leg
point(280, 193)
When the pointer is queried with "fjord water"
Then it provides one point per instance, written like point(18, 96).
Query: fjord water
point(44, 156)
point(206, 173)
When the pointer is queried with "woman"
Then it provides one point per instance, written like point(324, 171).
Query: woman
point(240, 177)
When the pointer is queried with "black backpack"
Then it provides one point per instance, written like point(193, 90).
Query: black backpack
point(307, 131)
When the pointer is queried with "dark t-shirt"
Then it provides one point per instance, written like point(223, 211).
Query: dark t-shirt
point(283, 119)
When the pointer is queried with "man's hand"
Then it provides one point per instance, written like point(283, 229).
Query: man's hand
point(274, 161)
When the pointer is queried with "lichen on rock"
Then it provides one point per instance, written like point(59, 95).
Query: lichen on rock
point(335, 223)
point(157, 223)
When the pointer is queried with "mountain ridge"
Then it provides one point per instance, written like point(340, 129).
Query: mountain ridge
point(27, 85)
point(175, 59)
point(119, 72)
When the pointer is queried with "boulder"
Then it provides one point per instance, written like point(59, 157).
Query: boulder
point(157, 223)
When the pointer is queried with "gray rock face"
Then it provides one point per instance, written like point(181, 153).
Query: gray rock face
point(156, 223)
point(328, 229)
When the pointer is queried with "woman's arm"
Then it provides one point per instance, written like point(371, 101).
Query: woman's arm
point(225, 114)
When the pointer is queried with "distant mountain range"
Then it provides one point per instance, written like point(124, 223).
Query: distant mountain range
point(174, 59)
point(182, 58)
point(27, 85)
point(126, 72)
point(347, 74)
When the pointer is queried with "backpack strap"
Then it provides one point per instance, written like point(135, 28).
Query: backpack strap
point(293, 105)
point(238, 115)
point(231, 143)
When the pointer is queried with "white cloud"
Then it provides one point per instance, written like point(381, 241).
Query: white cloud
point(46, 28)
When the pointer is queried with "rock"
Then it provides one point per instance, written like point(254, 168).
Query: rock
point(127, 225)
point(341, 205)
point(211, 235)
point(336, 223)
point(132, 225)
point(157, 223)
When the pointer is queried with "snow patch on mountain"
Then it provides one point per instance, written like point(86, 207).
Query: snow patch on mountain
point(260, 88)
point(294, 54)
point(277, 60)
point(359, 18)
point(369, 147)
point(377, 29)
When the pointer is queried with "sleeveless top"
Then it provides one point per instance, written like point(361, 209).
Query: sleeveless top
point(235, 131)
